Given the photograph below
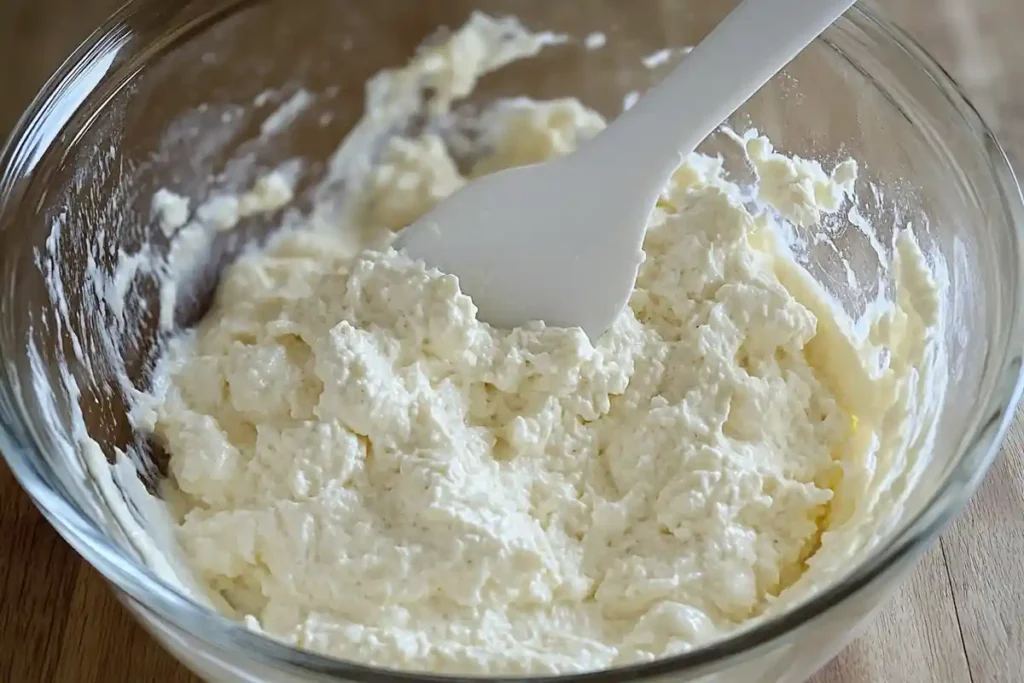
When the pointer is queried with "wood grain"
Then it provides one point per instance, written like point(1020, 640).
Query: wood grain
point(984, 552)
point(957, 619)
point(918, 629)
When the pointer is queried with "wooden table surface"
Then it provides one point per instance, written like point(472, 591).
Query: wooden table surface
point(959, 618)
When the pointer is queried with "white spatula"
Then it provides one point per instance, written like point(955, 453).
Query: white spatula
point(561, 241)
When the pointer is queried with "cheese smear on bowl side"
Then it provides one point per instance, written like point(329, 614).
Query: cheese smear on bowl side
point(361, 468)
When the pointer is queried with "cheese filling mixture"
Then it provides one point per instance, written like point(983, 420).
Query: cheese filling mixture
point(362, 468)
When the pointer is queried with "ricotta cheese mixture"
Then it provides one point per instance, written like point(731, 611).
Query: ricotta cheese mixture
point(361, 468)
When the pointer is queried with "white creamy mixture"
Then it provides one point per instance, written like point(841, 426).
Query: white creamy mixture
point(362, 468)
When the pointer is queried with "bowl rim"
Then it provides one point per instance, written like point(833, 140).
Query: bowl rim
point(979, 445)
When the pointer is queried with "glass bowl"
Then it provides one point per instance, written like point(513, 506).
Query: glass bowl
point(173, 93)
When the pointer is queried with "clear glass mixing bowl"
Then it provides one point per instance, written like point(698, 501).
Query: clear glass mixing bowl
point(168, 93)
